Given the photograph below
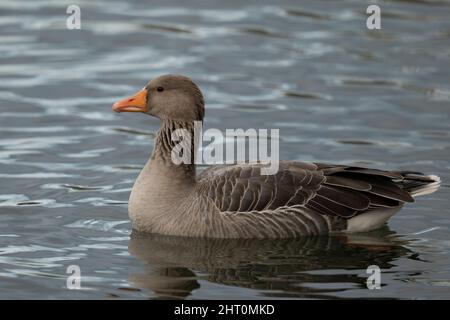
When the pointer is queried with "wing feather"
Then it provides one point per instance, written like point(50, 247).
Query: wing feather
point(331, 190)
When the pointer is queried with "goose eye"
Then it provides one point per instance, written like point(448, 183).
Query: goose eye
point(160, 89)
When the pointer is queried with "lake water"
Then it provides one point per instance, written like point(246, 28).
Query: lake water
point(337, 91)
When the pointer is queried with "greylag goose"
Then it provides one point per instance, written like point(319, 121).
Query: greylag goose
point(237, 201)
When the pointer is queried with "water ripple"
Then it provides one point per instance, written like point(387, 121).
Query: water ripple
point(101, 225)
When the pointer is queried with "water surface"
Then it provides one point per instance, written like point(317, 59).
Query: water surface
point(337, 91)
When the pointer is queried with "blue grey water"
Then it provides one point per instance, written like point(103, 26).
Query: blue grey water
point(337, 91)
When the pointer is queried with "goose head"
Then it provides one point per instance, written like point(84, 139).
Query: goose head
point(168, 97)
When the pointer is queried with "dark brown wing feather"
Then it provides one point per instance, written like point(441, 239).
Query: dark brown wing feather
point(241, 188)
point(334, 190)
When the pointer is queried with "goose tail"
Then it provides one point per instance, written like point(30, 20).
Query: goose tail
point(418, 184)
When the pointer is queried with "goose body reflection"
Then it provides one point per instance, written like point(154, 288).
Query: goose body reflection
point(175, 266)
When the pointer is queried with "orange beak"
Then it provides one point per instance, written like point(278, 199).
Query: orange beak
point(136, 103)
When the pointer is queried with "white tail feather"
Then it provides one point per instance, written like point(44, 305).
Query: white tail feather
point(372, 220)
point(428, 188)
